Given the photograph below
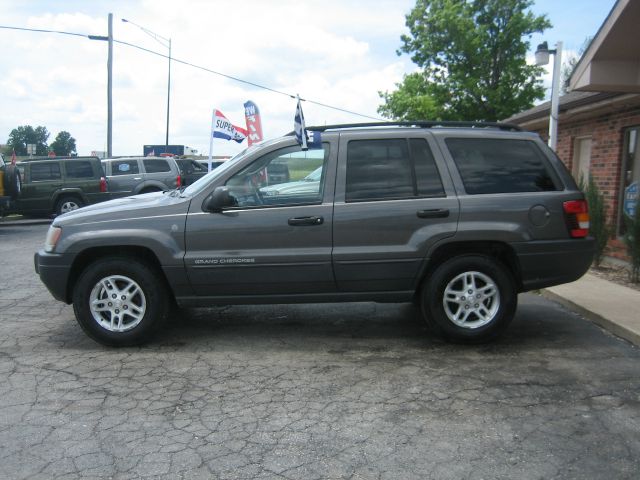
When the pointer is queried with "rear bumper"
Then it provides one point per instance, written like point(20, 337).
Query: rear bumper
point(54, 271)
point(548, 263)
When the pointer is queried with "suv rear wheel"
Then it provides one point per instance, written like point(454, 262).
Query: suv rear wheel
point(120, 301)
point(469, 299)
point(68, 204)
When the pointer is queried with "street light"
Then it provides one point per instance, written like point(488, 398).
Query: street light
point(542, 58)
point(165, 42)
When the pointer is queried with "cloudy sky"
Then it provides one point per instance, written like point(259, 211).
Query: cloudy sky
point(337, 52)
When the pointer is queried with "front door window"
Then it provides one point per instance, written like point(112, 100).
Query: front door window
point(288, 176)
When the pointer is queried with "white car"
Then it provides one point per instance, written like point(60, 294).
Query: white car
point(309, 184)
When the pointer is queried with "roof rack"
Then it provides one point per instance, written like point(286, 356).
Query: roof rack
point(420, 124)
point(61, 157)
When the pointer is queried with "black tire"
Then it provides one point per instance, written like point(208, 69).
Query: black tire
point(12, 181)
point(150, 190)
point(472, 313)
point(68, 203)
point(140, 306)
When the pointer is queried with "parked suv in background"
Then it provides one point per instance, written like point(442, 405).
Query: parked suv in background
point(59, 185)
point(190, 170)
point(458, 217)
point(134, 175)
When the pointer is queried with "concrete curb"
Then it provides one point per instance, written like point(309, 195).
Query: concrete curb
point(25, 222)
point(613, 327)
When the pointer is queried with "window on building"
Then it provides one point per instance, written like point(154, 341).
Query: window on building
point(581, 159)
point(630, 178)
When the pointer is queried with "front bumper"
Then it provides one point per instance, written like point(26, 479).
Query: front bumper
point(54, 270)
point(553, 262)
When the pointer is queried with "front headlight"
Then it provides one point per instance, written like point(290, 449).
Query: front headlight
point(53, 235)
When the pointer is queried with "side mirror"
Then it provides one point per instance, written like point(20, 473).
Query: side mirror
point(219, 200)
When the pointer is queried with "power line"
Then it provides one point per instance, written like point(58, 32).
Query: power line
point(199, 67)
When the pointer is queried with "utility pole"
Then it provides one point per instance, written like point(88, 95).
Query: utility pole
point(109, 40)
point(110, 89)
point(168, 94)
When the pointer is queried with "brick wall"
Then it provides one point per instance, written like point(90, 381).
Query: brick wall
point(607, 143)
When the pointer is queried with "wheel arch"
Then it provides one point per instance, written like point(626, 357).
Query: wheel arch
point(497, 250)
point(92, 254)
point(71, 193)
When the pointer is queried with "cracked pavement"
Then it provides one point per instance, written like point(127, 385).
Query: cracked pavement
point(360, 391)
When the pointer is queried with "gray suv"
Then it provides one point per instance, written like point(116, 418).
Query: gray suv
point(134, 175)
point(457, 217)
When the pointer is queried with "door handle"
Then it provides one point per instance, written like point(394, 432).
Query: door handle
point(433, 213)
point(137, 178)
point(302, 221)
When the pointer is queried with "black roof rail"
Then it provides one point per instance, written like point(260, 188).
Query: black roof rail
point(420, 124)
point(61, 157)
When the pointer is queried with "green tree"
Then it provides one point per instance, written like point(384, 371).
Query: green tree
point(473, 59)
point(64, 144)
point(20, 137)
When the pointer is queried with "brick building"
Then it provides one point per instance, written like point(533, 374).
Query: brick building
point(599, 120)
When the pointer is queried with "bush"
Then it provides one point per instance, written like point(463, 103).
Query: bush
point(598, 226)
point(632, 240)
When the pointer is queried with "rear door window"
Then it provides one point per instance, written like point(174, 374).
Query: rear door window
point(156, 166)
point(488, 165)
point(390, 169)
point(41, 172)
point(124, 167)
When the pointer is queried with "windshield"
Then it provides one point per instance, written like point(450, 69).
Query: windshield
point(202, 182)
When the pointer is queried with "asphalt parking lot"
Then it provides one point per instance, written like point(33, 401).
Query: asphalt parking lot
point(308, 392)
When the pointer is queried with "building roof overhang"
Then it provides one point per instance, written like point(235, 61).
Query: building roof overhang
point(611, 63)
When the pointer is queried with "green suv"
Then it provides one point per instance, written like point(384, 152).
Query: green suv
point(60, 185)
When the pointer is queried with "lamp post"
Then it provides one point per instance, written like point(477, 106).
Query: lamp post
point(165, 42)
point(542, 58)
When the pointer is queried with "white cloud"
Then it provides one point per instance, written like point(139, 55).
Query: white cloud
point(335, 52)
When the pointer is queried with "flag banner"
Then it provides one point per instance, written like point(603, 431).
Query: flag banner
point(314, 140)
point(299, 127)
point(253, 121)
point(13, 158)
point(223, 128)
point(306, 139)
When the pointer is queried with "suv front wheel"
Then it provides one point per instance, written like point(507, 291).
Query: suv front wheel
point(120, 301)
point(469, 299)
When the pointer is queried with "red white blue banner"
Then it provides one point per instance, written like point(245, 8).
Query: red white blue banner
point(222, 128)
point(254, 124)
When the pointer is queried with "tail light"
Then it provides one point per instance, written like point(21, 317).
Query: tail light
point(178, 181)
point(577, 215)
point(103, 184)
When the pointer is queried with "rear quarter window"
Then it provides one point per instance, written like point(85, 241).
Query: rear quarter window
point(156, 166)
point(488, 165)
point(79, 169)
